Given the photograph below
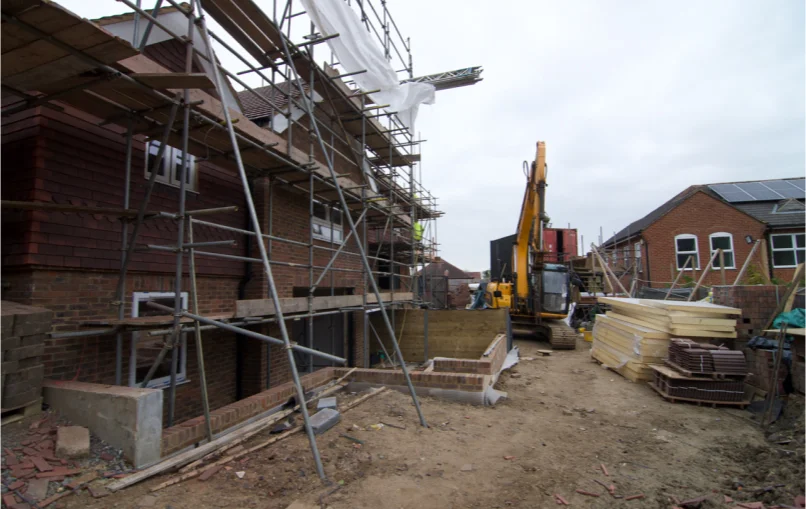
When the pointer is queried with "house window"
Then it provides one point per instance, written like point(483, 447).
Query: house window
point(637, 248)
point(626, 255)
point(685, 245)
point(326, 223)
point(145, 348)
point(171, 166)
point(723, 241)
point(788, 249)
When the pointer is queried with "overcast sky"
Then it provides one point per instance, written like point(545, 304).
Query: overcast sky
point(635, 101)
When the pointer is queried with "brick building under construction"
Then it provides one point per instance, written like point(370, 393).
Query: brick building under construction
point(139, 172)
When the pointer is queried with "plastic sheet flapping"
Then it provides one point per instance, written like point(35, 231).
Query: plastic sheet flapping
point(357, 51)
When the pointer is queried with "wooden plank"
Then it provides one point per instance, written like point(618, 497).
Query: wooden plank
point(150, 321)
point(265, 307)
point(692, 307)
point(794, 332)
point(646, 332)
point(175, 80)
point(703, 333)
point(696, 320)
point(638, 321)
point(714, 328)
point(639, 305)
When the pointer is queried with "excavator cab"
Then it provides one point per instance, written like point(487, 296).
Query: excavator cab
point(556, 297)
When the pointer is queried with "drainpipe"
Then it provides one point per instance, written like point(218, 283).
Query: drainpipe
point(648, 274)
point(240, 339)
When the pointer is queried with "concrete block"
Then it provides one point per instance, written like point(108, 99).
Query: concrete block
point(6, 323)
point(327, 403)
point(325, 419)
point(10, 342)
point(33, 339)
point(25, 352)
point(128, 418)
point(23, 387)
point(23, 375)
point(20, 399)
point(72, 442)
point(37, 489)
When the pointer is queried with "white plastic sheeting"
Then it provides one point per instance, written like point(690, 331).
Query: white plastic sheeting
point(357, 51)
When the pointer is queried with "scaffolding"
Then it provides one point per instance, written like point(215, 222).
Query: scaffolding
point(390, 215)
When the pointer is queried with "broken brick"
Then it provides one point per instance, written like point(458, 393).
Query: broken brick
point(98, 491)
point(106, 456)
point(84, 479)
point(21, 472)
point(9, 499)
point(30, 452)
point(41, 464)
point(16, 485)
point(210, 472)
point(45, 444)
point(58, 472)
point(12, 460)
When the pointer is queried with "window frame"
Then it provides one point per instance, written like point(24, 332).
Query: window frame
point(319, 225)
point(732, 250)
point(677, 252)
point(181, 372)
point(794, 249)
point(173, 156)
point(637, 256)
point(626, 252)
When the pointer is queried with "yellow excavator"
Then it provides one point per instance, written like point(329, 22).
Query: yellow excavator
point(539, 293)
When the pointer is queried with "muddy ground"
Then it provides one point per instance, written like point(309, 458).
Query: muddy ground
point(565, 417)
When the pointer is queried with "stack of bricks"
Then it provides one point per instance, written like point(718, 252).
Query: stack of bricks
point(757, 303)
point(23, 333)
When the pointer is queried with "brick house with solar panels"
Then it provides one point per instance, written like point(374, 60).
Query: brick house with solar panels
point(703, 218)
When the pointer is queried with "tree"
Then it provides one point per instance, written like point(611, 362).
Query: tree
point(485, 274)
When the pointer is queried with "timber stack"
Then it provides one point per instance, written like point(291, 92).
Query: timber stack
point(637, 333)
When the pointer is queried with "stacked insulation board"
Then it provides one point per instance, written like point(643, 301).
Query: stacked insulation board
point(635, 334)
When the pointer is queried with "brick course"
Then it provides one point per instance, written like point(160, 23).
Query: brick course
point(700, 215)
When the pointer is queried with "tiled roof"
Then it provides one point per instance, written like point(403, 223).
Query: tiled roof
point(254, 108)
point(764, 211)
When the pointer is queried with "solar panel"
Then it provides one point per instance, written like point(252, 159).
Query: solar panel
point(758, 191)
point(731, 193)
point(799, 183)
point(786, 188)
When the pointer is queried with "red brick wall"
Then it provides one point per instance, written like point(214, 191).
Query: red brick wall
point(70, 160)
point(77, 296)
point(757, 303)
point(699, 215)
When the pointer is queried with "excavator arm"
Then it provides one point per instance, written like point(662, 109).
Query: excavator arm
point(530, 223)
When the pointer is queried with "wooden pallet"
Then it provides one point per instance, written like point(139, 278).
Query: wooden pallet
point(10, 415)
point(699, 402)
point(707, 374)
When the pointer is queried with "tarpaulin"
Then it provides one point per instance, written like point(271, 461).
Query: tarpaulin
point(357, 51)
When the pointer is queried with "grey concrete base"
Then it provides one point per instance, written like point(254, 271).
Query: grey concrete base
point(128, 418)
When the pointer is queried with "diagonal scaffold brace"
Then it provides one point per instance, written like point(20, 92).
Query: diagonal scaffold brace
point(343, 203)
point(300, 393)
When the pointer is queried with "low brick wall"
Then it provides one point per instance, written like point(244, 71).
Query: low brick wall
point(458, 381)
point(23, 331)
point(489, 363)
point(757, 303)
point(193, 430)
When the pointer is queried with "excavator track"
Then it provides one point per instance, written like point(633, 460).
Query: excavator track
point(561, 336)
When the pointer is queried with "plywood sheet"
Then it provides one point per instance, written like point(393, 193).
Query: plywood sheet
point(692, 307)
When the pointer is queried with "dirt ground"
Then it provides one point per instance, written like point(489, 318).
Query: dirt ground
point(565, 417)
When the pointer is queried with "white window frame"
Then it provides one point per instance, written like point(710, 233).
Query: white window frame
point(731, 250)
point(637, 255)
point(678, 252)
point(794, 248)
point(170, 161)
point(626, 251)
point(181, 371)
point(323, 229)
